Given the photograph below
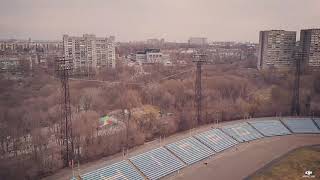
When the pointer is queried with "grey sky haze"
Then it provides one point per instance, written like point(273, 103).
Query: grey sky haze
point(174, 20)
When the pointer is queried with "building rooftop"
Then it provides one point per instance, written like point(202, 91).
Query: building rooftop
point(152, 50)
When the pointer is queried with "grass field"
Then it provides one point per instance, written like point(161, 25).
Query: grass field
point(292, 166)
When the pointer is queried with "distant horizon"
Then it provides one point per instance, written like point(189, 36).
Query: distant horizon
point(138, 20)
point(144, 40)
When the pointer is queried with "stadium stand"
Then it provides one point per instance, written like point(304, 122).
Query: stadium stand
point(120, 170)
point(190, 150)
point(216, 140)
point(161, 162)
point(270, 127)
point(301, 125)
point(317, 121)
point(242, 132)
point(157, 163)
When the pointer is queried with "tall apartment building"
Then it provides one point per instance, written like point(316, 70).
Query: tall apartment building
point(310, 47)
point(155, 41)
point(90, 51)
point(200, 41)
point(16, 63)
point(276, 49)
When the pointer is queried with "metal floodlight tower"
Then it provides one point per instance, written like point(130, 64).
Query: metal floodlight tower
point(64, 66)
point(295, 106)
point(199, 59)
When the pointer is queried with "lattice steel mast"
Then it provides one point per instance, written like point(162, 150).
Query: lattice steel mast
point(295, 106)
point(64, 66)
point(199, 59)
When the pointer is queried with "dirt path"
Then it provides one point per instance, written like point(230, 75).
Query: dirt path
point(246, 158)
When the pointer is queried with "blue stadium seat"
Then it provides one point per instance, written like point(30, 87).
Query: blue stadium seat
point(120, 170)
point(216, 140)
point(157, 163)
point(242, 132)
point(270, 127)
point(301, 125)
point(190, 150)
point(317, 121)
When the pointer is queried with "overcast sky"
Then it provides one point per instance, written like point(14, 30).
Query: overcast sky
point(174, 20)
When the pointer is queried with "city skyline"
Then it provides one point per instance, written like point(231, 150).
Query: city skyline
point(176, 21)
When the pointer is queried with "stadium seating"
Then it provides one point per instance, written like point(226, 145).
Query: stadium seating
point(270, 127)
point(120, 170)
point(163, 161)
point(190, 150)
point(157, 163)
point(242, 132)
point(317, 121)
point(301, 125)
point(216, 140)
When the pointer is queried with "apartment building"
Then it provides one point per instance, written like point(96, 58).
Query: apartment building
point(90, 51)
point(155, 42)
point(276, 49)
point(16, 63)
point(22, 45)
point(310, 47)
point(199, 41)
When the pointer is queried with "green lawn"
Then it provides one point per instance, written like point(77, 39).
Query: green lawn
point(293, 166)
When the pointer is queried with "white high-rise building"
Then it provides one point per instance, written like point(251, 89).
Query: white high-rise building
point(90, 51)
